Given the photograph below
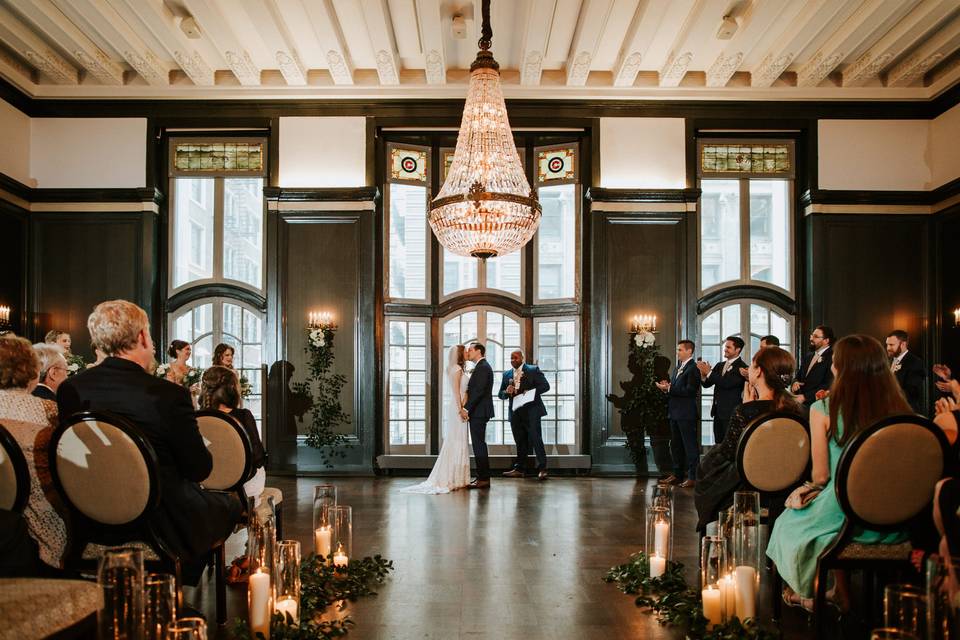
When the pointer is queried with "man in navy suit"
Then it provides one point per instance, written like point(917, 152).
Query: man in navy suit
point(682, 412)
point(727, 380)
point(478, 409)
point(907, 367)
point(814, 373)
point(525, 420)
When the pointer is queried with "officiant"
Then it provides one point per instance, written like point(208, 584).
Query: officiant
point(523, 385)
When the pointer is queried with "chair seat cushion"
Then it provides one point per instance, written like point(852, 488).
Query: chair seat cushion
point(94, 551)
point(858, 551)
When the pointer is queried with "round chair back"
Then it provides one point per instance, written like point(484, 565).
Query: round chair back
point(887, 473)
point(229, 445)
point(773, 453)
point(14, 474)
point(104, 468)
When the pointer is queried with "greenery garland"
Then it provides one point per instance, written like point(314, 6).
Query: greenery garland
point(327, 412)
point(676, 604)
point(321, 586)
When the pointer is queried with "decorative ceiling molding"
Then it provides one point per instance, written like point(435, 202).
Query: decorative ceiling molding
point(536, 33)
point(593, 20)
point(215, 27)
point(675, 69)
point(431, 37)
point(926, 56)
point(34, 50)
point(380, 29)
point(323, 18)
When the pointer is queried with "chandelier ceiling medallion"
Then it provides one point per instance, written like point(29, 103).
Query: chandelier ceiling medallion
point(486, 207)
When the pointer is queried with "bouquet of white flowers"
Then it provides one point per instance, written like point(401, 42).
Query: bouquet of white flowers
point(75, 364)
point(644, 339)
point(161, 370)
point(317, 339)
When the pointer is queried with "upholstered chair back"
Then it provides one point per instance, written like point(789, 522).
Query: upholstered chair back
point(14, 474)
point(229, 445)
point(774, 452)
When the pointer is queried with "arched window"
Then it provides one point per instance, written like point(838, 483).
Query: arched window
point(748, 319)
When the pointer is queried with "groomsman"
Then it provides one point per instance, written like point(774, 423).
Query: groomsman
point(907, 367)
point(727, 380)
point(682, 412)
point(814, 373)
point(525, 420)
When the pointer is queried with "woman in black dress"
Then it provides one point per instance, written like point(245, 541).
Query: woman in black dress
point(717, 477)
point(221, 391)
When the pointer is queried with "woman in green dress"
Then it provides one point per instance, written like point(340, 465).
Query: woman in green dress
point(864, 391)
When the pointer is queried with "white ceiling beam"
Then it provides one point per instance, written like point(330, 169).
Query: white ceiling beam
point(51, 21)
point(196, 58)
point(678, 59)
point(323, 19)
point(592, 21)
point(646, 21)
point(431, 36)
point(814, 16)
point(14, 70)
point(376, 14)
point(273, 32)
point(940, 45)
point(112, 27)
point(536, 34)
point(214, 26)
point(870, 16)
point(906, 34)
point(26, 43)
point(753, 24)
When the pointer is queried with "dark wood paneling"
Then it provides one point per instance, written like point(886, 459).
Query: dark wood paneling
point(78, 260)
point(13, 264)
point(638, 267)
point(324, 262)
point(947, 298)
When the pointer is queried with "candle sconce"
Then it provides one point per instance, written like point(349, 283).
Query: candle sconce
point(643, 323)
point(4, 318)
point(956, 318)
point(320, 320)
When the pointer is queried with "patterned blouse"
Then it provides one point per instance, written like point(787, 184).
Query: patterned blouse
point(30, 421)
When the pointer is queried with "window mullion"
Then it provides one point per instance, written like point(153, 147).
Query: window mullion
point(745, 230)
point(218, 232)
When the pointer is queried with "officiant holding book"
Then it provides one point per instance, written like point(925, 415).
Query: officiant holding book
point(523, 385)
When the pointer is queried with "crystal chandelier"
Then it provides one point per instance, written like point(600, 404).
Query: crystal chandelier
point(485, 208)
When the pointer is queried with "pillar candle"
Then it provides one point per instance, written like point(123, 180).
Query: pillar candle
point(658, 566)
point(260, 603)
point(340, 558)
point(746, 586)
point(712, 606)
point(661, 539)
point(287, 605)
point(728, 587)
point(321, 539)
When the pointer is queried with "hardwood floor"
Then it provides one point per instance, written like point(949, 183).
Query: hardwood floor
point(521, 560)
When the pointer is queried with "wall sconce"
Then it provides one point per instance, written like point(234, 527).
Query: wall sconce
point(4, 315)
point(956, 317)
point(320, 320)
point(643, 323)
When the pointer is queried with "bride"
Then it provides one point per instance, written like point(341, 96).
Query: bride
point(452, 468)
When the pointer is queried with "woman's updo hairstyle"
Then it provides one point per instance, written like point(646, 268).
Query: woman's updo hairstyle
point(176, 346)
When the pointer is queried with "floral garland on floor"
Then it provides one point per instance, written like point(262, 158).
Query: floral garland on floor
point(327, 412)
point(675, 603)
point(320, 587)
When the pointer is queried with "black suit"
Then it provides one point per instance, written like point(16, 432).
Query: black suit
point(190, 519)
point(682, 412)
point(479, 406)
point(525, 421)
point(819, 378)
point(44, 392)
point(727, 394)
point(912, 376)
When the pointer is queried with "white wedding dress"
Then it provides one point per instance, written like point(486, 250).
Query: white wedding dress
point(451, 471)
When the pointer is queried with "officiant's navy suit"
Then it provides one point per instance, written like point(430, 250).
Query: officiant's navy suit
point(683, 415)
point(525, 421)
point(479, 408)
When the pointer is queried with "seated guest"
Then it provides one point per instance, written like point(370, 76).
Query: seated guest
point(59, 338)
point(908, 369)
point(223, 356)
point(863, 392)
point(815, 373)
point(53, 370)
point(30, 421)
point(946, 385)
point(191, 520)
point(221, 391)
point(948, 419)
point(718, 479)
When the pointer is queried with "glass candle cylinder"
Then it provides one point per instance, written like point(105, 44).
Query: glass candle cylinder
point(261, 553)
point(713, 579)
point(342, 547)
point(120, 575)
point(659, 539)
point(943, 598)
point(905, 608)
point(324, 500)
point(891, 634)
point(288, 579)
point(159, 605)
point(663, 496)
point(187, 629)
point(747, 552)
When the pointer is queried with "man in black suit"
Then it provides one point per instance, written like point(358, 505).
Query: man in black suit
point(727, 380)
point(190, 520)
point(814, 373)
point(907, 367)
point(525, 420)
point(682, 412)
point(478, 409)
point(53, 370)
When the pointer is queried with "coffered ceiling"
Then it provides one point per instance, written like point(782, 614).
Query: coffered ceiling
point(617, 49)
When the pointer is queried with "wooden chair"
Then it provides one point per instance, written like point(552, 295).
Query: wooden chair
point(885, 477)
point(773, 457)
point(14, 474)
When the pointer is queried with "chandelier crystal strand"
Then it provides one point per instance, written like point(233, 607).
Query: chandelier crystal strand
point(486, 207)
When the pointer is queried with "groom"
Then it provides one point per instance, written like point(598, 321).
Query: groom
point(478, 409)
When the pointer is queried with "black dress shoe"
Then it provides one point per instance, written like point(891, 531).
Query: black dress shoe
point(513, 473)
point(479, 484)
point(542, 475)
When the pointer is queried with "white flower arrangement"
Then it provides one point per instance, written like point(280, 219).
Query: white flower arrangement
point(75, 364)
point(317, 338)
point(644, 339)
point(161, 371)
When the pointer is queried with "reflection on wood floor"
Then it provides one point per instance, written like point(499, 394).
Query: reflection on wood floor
point(521, 560)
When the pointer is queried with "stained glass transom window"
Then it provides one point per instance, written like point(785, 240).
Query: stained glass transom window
point(556, 164)
point(218, 156)
point(746, 158)
point(408, 164)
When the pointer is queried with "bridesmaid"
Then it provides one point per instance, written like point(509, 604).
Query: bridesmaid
point(179, 353)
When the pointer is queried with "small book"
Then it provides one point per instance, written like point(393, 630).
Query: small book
point(524, 398)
